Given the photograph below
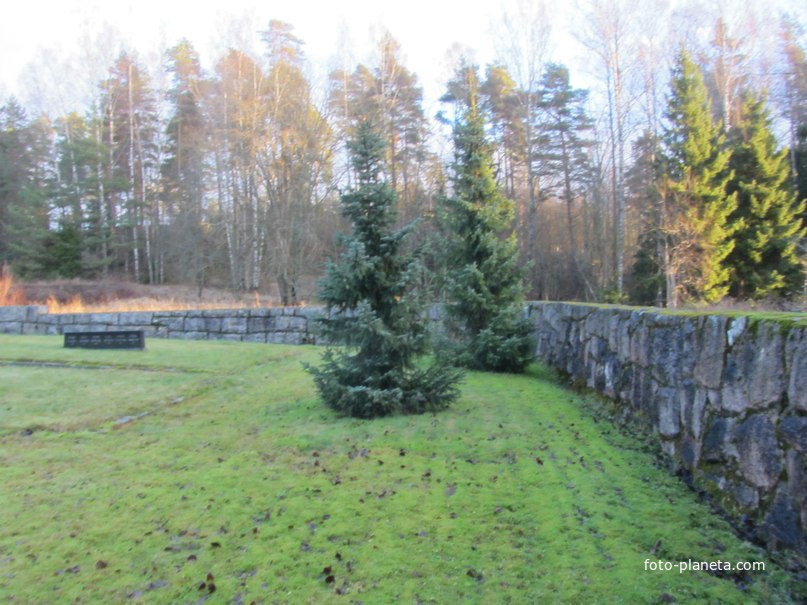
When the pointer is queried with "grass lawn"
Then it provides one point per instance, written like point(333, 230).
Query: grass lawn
point(199, 471)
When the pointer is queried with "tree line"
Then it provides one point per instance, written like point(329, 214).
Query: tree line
point(679, 176)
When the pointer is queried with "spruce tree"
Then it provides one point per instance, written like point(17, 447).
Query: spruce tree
point(375, 322)
point(700, 237)
point(765, 259)
point(485, 283)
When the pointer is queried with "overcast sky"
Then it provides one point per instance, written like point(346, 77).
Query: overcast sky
point(426, 30)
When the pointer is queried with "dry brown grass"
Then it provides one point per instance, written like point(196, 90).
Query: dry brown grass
point(10, 294)
point(78, 305)
point(88, 296)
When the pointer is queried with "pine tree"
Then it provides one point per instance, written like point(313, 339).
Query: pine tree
point(765, 259)
point(700, 237)
point(373, 309)
point(485, 284)
point(566, 130)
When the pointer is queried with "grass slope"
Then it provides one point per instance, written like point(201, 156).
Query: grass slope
point(228, 481)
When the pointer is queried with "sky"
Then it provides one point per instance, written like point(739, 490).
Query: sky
point(426, 29)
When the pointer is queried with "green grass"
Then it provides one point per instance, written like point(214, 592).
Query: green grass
point(785, 318)
point(517, 494)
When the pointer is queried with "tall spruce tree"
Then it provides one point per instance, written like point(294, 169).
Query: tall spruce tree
point(484, 283)
point(765, 260)
point(700, 237)
point(373, 308)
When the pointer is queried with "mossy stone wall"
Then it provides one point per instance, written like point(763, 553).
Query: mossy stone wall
point(726, 396)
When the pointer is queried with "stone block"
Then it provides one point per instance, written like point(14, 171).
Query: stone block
point(641, 387)
point(276, 338)
point(288, 323)
point(255, 337)
point(13, 314)
point(47, 319)
point(796, 368)
point(613, 375)
point(736, 328)
point(34, 328)
point(613, 334)
point(669, 412)
point(596, 324)
point(87, 327)
point(260, 325)
point(213, 324)
point(578, 312)
point(689, 452)
point(717, 440)
point(797, 484)
point(622, 349)
point(195, 324)
point(745, 495)
point(108, 319)
point(670, 354)
point(711, 351)
point(435, 312)
point(234, 325)
point(760, 457)
point(639, 344)
point(148, 330)
point(782, 524)
point(171, 322)
point(694, 402)
point(136, 318)
point(793, 432)
point(10, 327)
point(34, 312)
point(293, 338)
point(753, 377)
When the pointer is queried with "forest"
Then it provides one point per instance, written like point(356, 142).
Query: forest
point(678, 177)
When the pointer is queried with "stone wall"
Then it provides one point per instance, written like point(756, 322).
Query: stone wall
point(280, 325)
point(726, 396)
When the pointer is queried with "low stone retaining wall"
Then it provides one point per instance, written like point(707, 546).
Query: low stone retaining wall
point(277, 325)
point(727, 398)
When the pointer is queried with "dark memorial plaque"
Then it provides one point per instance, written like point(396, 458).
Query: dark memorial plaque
point(119, 339)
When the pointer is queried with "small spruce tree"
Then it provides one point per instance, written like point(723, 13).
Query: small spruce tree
point(765, 259)
point(484, 284)
point(699, 234)
point(375, 322)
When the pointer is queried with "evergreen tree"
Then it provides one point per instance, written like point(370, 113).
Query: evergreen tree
point(646, 278)
point(765, 260)
point(566, 130)
point(373, 309)
point(25, 186)
point(183, 167)
point(700, 237)
point(646, 284)
point(799, 154)
point(485, 284)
